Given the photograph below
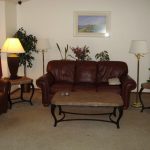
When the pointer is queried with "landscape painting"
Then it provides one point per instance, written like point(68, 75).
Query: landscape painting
point(92, 23)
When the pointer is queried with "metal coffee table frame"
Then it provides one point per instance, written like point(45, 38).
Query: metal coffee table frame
point(88, 99)
point(110, 114)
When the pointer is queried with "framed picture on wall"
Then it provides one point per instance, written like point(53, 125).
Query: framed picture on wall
point(92, 23)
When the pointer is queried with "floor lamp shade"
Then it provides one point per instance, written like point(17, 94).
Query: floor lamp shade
point(12, 46)
point(139, 48)
point(43, 46)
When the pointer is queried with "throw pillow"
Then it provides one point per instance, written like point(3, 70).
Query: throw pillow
point(114, 81)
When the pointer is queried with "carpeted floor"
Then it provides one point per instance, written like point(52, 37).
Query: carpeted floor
point(27, 127)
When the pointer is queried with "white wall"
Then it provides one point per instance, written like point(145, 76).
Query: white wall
point(130, 20)
point(8, 26)
point(11, 18)
point(2, 38)
point(2, 23)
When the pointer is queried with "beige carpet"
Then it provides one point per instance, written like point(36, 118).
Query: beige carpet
point(26, 127)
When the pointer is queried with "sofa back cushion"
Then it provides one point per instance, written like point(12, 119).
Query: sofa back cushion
point(62, 70)
point(110, 69)
point(85, 72)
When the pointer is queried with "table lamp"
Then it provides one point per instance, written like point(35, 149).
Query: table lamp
point(43, 46)
point(13, 47)
point(139, 48)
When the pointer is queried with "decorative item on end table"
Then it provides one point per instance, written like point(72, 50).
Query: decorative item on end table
point(139, 48)
point(13, 47)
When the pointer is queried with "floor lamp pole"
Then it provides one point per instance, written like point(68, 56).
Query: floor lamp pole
point(137, 103)
point(43, 60)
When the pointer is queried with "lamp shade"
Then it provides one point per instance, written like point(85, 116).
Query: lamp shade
point(43, 44)
point(12, 45)
point(138, 47)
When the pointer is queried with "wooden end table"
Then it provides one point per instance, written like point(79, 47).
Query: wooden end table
point(21, 81)
point(144, 86)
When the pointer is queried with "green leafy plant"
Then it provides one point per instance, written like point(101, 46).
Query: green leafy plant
point(81, 53)
point(66, 51)
point(29, 44)
point(102, 56)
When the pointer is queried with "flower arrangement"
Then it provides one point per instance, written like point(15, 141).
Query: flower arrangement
point(81, 53)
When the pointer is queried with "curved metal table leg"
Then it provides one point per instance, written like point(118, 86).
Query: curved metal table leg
point(116, 121)
point(114, 111)
point(53, 114)
point(32, 85)
point(9, 99)
point(120, 110)
point(30, 99)
point(60, 110)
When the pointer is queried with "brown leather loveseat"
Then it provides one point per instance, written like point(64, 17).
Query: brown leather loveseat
point(69, 75)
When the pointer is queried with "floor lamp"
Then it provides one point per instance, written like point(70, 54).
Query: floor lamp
point(139, 48)
point(13, 47)
point(43, 46)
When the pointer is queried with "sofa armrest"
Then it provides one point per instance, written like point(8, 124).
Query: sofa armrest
point(128, 84)
point(44, 83)
point(4, 86)
point(4, 95)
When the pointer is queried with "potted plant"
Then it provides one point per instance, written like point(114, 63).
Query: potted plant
point(102, 56)
point(29, 44)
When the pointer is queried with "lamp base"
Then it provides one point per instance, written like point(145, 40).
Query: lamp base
point(13, 64)
point(137, 105)
point(14, 77)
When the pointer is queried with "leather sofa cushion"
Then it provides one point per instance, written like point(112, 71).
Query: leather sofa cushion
point(63, 71)
point(104, 87)
point(110, 69)
point(85, 72)
point(84, 87)
point(65, 87)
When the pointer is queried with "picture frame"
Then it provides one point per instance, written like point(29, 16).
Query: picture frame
point(96, 24)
